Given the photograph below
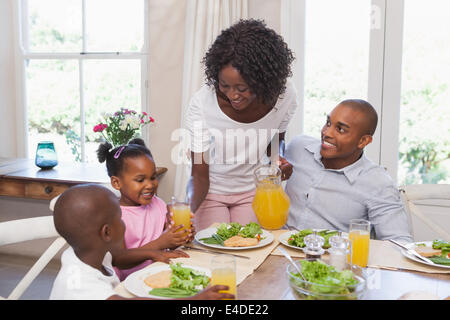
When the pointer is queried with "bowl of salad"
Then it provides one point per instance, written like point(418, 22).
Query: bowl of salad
point(325, 282)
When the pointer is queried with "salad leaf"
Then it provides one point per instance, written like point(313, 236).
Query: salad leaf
point(325, 279)
point(250, 230)
point(441, 244)
point(226, 231)
point(185, 282)
point(297, 238)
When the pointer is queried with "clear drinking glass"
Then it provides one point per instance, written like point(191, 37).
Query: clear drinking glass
point(359, 235)
point(181, 212)
point(223, 272)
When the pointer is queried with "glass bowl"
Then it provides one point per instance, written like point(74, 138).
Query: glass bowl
point(305, 290)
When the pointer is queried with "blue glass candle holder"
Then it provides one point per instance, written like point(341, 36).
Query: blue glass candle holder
point(46, 155)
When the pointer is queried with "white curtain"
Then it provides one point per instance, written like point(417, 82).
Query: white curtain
point(293, 31)
point(205, 19)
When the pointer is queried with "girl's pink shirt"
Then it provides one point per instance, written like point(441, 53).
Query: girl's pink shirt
point(143, 224)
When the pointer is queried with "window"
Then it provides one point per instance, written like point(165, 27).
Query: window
point(393, 54)
point(82, 59)
point(425, 101)
point(336, 57)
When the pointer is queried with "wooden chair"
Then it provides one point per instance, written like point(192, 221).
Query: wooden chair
point(20, 230)
point(412, 194)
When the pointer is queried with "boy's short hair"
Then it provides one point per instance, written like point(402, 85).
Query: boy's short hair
point(81, 210)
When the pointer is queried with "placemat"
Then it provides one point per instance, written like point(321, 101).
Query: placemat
point(244, 267)
point(382, 254)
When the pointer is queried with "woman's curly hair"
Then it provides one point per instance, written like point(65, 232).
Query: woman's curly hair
point(259, 54)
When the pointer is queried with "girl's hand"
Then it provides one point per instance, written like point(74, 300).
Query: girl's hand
point(192, 229)
point(169, 223)
point(285, 167)
point(173, 237)
point(169, 217)
point(165, 256)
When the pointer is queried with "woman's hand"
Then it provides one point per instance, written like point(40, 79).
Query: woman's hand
point(285, 167)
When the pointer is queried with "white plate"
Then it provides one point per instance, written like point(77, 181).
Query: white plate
point(136, 285)
point(206, 233)
point(412, 245)
point(285, 237)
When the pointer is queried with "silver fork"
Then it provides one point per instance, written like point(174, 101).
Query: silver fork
point(213, 251)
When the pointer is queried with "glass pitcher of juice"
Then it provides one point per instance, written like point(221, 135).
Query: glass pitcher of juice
point(271, 203)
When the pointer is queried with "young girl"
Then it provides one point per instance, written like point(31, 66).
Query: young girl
point(133, 172)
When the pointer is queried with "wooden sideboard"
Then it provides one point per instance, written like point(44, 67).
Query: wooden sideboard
point(20, 177)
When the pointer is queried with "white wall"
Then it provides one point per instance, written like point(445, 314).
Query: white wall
point(7, 82)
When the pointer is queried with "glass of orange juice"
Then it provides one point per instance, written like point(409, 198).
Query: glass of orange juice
point(359, 235)
point(223, 272)
point(181, 212)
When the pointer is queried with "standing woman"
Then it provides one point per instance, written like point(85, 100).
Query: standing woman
point(246, 101)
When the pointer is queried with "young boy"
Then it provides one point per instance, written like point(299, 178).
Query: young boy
point(89, 218)
point(333, 182)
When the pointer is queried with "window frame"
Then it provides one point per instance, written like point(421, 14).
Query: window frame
point(384, 74)
point(23, 55)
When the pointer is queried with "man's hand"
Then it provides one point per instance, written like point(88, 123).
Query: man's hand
point(285, 167)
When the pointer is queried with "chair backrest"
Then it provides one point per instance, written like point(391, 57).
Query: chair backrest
point(421, 200)
point(17, 231)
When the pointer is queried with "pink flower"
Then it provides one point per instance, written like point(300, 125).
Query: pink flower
point(144, 113)
point(100, 127)
point(151, 119)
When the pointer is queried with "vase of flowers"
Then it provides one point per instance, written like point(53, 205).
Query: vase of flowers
point(119, 128)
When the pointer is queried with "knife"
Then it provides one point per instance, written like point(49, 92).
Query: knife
point(213, 251)
point(410, 251)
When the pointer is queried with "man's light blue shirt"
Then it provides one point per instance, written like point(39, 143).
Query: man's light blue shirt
point(329, 199)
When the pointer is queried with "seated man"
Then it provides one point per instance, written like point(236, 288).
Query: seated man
point(333, 182)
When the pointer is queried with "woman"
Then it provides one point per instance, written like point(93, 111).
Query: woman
point(246, 102)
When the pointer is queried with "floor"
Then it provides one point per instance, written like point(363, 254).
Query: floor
point(12, 270)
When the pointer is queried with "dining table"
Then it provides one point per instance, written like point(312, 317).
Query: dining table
point(262, 274)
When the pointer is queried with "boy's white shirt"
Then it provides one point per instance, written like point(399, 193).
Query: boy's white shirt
point(79, 281)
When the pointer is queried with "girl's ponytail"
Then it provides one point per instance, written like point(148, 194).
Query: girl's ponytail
point(103, 151)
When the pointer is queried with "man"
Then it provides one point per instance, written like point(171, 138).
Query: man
point(333, 182)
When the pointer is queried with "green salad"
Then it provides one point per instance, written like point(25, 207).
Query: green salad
point(297, 238)
point(444, 258)
point(324, 280)
point(226, 231)
point(184, 282)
